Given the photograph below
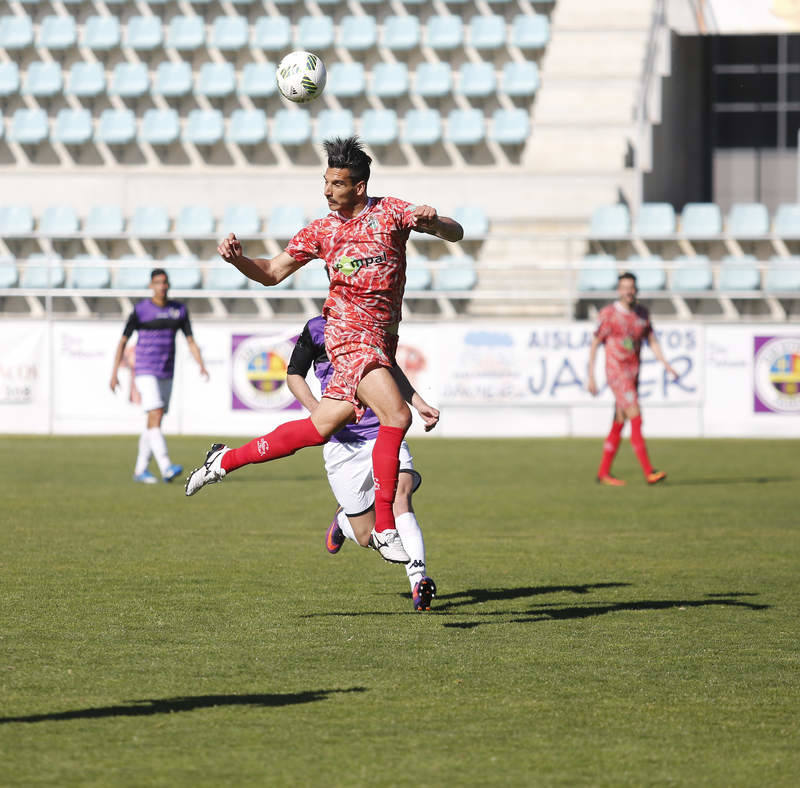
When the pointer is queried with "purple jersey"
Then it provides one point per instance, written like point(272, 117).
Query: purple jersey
point(157, 326)
point(310, 349)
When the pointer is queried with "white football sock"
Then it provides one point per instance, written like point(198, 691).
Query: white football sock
point(159, 448)
point(143, 458)
point(411, 537)
point(347, 529)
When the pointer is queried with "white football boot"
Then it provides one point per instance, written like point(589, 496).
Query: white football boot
point(210, 471)
point(389, 545)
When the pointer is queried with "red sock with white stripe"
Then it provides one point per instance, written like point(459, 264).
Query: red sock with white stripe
point(639, 445)
point(385, 467)
point(284, 440)
point(610, 448)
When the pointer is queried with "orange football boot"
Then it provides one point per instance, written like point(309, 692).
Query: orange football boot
point(655, 477)
point(611, 481)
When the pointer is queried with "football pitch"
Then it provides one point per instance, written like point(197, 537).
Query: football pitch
point(582, 635)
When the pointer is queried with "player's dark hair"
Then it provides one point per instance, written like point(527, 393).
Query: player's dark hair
point(627, 275)
point(347, 154)
point(158, 272)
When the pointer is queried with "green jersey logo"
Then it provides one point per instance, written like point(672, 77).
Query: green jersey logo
point(348, 265)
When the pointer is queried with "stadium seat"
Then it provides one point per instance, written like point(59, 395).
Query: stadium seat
point(272, 34)
point(530, 31)
point(16, 32)
point(129, 80)
point(455, 273)
point(433, 80)
point(444, 32)
point(149, 221)
point(90, 272)
point(101, 33)
point(57, 32)
point(334, 123)
point(183, 272)
point(247, 127)
point(29, 126)
point(9, 79)
point(739, 273)
point(474, 221)
point(422, 127)
point(43, 271)
point(186, 33)
point(291, 127)
point(610, 221)
point(15, 220)
point(520, 79)
point(389, 80)
point(116, 127)
point(487, 32)
point(346, 80)
point(649, 272)
point(173, 79)
point(597, 272)
point(72, 127)
point(58, 221)
point(9, 275)
point(144, 33)
point(240, 219)
point(783, 275)
point(692, 274)
point(104, 221)
point(160, 127)
point(701, 220)
point(43, 79)
point(379, 126)
point(86, 80)
point(418, 275)
point(194, 221)
point(216, 80)
point(314, 33)
point(358, 33)
point(312, 276)
point(465, 126)
point(477, 80)
point(285, 221)
point(510, 126)
point(400, 33)
point(135, 273)
point(748, 220)
point(787, 221)
point(230, 33)
point(243, 2)
point(227, 278)
point(655, 220)
point(204, 127)
point(257, 80)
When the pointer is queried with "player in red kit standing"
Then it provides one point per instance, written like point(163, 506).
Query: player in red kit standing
point(622, 327)
point(362, 241)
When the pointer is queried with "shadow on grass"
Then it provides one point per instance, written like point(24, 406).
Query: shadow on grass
point(731, 480)
point(145, 708)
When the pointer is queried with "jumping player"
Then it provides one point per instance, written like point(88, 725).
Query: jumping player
point(621, 328)
point(348, 464)
point(362, 241)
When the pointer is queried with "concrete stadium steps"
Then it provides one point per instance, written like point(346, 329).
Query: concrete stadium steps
point(605, 14)
point(567, 149)
point(586, 102)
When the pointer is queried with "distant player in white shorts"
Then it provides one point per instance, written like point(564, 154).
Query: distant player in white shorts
point(348, 463)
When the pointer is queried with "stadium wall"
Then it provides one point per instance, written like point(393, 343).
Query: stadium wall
point(513, 379)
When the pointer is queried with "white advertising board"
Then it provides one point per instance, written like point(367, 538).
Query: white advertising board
point(24, 377)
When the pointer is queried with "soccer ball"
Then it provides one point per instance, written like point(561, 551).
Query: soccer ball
point(301, 76)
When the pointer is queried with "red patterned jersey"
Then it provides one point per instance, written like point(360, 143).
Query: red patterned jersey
point(366, 261)
point(622, 331)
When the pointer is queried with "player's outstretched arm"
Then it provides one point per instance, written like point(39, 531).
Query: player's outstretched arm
point(428, 221)
point(267, 271)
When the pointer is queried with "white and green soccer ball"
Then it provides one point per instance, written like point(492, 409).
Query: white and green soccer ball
point(301, 76)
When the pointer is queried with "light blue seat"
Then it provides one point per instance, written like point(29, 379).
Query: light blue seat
point(358, 33)
point(414, 2)
point(204, 127)
point(90, 272)
point(787, 221)
point(194, 221)
point(227, 278)
point(520, 79)
point(455, 273)
point(739, 273)
point(597, 272)
point(247, 127)
point(15, 220)
point(422, 127)
point(9, 275)
point(474, 221)
point(173, 79)
point(334, 123)
point(487, 32)
point(418, 275)
point(466, 126)
point(149, 221)
point(610, 221)
point(291, 127)
point(104, 221)
point(160, 127)
point(379, 126)
point(444, 32)
point(144, 33)
point(230, 33)
point(257, 80)
point(9, 79)
point(510, 126)
point(748, 220)
point(216, 80)
point(433, 80)
point(655, 220)
point(241, 219)
point(29, 126)
point(16, 32)
point(530, 31)
point(134, 273)
point(43, 271)
point(73, 126)
point(43, 79)
point(389, 80)
point(183, 272)
point(58, 221)
point(312, 276)
point(400, 33)
point(186, 33)
point(692, 274)
point(285, 221)
point(314, 33)
point(57, 32)
point(272, 34)
point(129, 80)
point(477, 80)
point(346, 80)
point(101, 33)
point(783, 275)
point(86, 80)
point(649, 272)
point(116, 127)
point(701, 220)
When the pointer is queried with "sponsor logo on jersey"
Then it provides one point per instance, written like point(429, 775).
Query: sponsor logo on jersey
point(350, 265)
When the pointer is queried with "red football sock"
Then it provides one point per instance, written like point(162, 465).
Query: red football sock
point(639, 446)
point(385, 466)
point(284, 440)
point(610, 448)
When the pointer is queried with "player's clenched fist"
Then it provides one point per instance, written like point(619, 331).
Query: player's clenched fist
point(230, 249)
point(427, 218)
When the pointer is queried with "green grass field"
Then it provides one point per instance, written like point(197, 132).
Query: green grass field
point(582, 635)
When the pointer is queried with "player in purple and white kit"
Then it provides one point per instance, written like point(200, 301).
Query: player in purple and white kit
point(157, 320)
point(348, 463)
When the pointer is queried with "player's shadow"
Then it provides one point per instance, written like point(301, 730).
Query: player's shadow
point(149, 707)
point(731, 480)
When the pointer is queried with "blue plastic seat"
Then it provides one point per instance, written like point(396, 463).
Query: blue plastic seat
point(334, 123)
point(400, 33)
point(230, 33)
point(101, 33)
point(144, 33)
point(418, 274)
point(73, 126)
point(530, 31)
point(649, 272)
point(748, 220)
point(285, 221)
point(57, 32)
point(783, 275)
point(58, 221)
point(701, 220)
point(358, 33)
point(257, 80)
point(43, 79)
point(466, 126)
point(43, 271)
point(433, 80)
point(194, 221)
point(389, 80)
point(346, 80)
point(15, 220)
point(227, 278)
point(247, 127)
point(9, 275)
point(183, 272)
point(104, 221)
point(272, 34)
point(487, 32)
point(186, 33)
point(90, 272)
point(29, 126)
point(510, 126)
point(204, 127)
point(149, 221)
point(16, 32)
point(610, 221)
point(9, 79)
point(243, 2)
point(314, 33)
point(240, 219)
point(444, 32)
point(474, 221)
point(477, 80)
point(134, 273)
point(86, 80)
point(455, 273)
point(312, 276)
point(291, 127)
point(173, 79)
point(597, 272)
point(422, 127)
point(692, 274)
point(520, 79)
point(160, 127)
point(379, 126)
point(787, 221)
point(216, 80)
point(129, 80)
point(116, 127)
point(739, 273)
point(655, 220)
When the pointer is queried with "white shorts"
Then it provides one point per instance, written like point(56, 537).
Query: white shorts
point(155, 392)
point(349, 469)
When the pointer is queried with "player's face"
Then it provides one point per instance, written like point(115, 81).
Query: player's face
point(627, 291)
point(341, 193)
point(159, 285)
